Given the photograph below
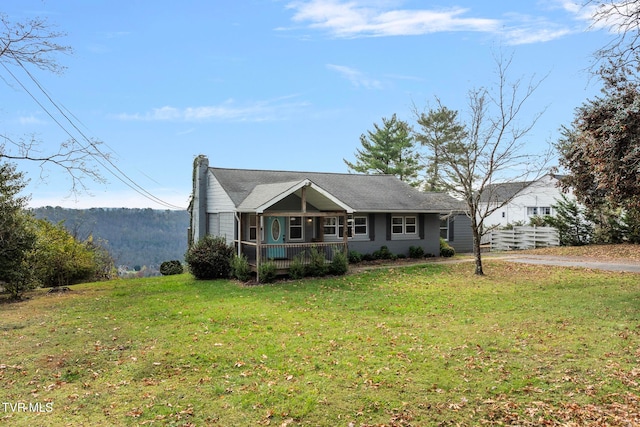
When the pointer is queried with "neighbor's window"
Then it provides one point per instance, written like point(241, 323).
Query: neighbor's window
point(538, 210)
point(295, 228)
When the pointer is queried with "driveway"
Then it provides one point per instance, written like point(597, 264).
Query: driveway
point(617, 265)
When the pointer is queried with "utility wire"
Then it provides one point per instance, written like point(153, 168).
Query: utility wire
point(100, 157)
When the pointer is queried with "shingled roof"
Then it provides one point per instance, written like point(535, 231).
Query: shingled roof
point(363, 193)
point(499, 193)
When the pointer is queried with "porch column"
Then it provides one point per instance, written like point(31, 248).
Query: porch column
point(239, 217)
point(258, 245)
point(345, 237)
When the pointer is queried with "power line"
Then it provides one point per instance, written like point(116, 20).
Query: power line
point(100, 158)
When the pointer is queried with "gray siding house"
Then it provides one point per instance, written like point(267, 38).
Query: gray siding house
point(277, 215)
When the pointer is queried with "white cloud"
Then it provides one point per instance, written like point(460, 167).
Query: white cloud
point(355, 18)
point(30, 120)
point(352, 20)
point(357, 78)
point(230, 110)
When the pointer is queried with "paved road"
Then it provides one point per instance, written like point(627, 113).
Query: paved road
point(583, 262)
point(621, 265)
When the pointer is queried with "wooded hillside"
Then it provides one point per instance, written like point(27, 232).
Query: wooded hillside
point(135, 237)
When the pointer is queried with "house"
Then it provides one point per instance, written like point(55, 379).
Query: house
point(524, 200)
point(277, 215)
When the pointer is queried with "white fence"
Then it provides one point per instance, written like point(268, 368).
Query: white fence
point(524, 238)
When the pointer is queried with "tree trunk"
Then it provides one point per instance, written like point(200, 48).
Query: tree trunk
point(477, 255)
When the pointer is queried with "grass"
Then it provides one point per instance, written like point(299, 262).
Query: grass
point(420, 345)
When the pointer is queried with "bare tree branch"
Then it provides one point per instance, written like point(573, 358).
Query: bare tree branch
point(31, 42)
point(622, 18)
point(493, 149)
point(34, 43)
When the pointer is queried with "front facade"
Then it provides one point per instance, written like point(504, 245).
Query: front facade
point(278, 215)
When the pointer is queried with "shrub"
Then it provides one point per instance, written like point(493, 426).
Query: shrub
point(384, 253)
point(355, 257)
point(169, 268)
point(210, 258)
point(267, 272)
point(339, 265)
point(296, 268)
point(317, 264)
point(416, 252)
point(368, 257)
point(446, 250)
point(240, 268)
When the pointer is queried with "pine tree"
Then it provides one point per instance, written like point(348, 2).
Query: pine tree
point(439, 128)
point(388, 149)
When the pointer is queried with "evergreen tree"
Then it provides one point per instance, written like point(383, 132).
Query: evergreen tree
point(439, 128)
point(571, 222)
point(602, 148)
point(388, 149)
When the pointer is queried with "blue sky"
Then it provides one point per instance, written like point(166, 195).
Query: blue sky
point(277, 84)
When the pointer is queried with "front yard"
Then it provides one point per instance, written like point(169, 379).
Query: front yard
point(399, 346)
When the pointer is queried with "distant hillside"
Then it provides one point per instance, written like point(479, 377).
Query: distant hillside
point(135, 237)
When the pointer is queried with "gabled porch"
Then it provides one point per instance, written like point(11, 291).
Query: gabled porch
point(279, 222)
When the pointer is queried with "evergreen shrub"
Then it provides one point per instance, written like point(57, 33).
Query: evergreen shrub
point(355, 257)
point(240, 268)
point(317, 265)
point(210, 258)
point(268, 272)
point(416, 252)
point(446, 251)
point(339, 265)
point(169, 268)
point(297, 269)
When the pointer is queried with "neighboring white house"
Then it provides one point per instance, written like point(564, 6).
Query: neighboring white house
point(529, 199)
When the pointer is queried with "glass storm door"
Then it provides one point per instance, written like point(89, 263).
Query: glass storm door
point(275, 235)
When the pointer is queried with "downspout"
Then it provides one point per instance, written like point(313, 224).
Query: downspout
point(239, 228)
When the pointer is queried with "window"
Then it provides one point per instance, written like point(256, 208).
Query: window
point(404, 225)
point(331, 226)
point(356, 226)
point(295, 228)
point(444, 228)
point(397, 225)
point(253, 227)
point(360, 226)
point(410, 225)
point(538, 210)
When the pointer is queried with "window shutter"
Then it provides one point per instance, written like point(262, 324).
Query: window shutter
point(451, 229)
point(388, 226)
point(372, 227)
point(421, 226)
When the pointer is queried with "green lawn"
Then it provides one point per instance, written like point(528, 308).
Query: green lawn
point(411, 346)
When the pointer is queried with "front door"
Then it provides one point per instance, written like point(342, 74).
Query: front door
point(275, 235)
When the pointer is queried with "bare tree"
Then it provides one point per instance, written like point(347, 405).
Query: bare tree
point(492, 149)
point(34, 44)
point(621, 17)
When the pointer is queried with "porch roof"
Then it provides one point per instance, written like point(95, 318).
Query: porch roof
point(264, 196)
